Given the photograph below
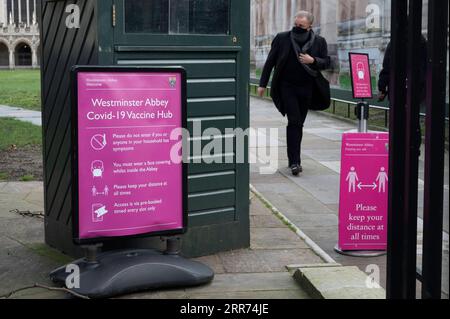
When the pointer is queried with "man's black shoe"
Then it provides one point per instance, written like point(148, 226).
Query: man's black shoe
point(296, 169)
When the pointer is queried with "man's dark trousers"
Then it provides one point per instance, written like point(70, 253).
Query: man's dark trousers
point(296, 99)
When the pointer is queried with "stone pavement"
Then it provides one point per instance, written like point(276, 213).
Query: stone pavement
point(311, 200)
point(33, 117)
point(258, 272)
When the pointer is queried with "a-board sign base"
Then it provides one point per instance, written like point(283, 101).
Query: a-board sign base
point(117, 273)
point(359, 253)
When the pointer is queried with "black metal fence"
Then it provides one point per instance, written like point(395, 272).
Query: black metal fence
point(404, 148)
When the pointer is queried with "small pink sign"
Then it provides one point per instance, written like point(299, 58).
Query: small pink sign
point(363, 201)
point(128, 183)
point(360, 74)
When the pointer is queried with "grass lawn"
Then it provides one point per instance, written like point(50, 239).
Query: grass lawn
point(20, 151)
point(21, 88)
point(13, 132)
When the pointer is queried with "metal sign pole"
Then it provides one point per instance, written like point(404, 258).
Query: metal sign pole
point(362, 113)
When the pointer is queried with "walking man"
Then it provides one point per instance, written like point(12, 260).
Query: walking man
point(297, 56)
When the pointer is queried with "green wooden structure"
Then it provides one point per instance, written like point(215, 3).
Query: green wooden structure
point(210, 39)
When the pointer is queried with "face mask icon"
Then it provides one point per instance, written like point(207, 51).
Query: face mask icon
point(360, 71)
point(97, 169)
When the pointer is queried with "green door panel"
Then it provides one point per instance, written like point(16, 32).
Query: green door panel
point(211, 106)
point(212, 217)
point(201, 168)
point(210, 200)
point(195, 68)
point(211, 182)
point(197, 88)
point(201, 145)
point(207, 126)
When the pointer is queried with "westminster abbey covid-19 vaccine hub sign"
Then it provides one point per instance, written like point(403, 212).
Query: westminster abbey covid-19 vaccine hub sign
point(129, 179)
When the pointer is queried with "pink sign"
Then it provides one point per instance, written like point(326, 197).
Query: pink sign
point(128, 182)
point(361, 77)
point(363, 201)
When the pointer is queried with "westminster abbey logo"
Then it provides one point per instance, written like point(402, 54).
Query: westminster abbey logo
point(172, 82)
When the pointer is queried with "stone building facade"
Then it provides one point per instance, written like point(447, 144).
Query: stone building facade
point(19, 34)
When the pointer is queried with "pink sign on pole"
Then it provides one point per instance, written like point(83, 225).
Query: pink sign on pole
point(361, 76)
point(129, 179)
point(363, 201)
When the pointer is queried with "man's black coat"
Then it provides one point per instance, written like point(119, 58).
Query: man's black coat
point(278, 55)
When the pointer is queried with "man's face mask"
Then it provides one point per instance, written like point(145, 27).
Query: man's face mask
point(300, 29)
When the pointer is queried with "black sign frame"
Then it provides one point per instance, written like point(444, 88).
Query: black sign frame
point(74, 149)
point(350, 54)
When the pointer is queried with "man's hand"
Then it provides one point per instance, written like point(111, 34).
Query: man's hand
point(381, 96)
point(261, 91)
point(306, 58)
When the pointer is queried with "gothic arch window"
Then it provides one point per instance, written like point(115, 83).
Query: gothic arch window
point(4, 55)
point(23, 56)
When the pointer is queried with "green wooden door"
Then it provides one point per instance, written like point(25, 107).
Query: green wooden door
point(210, 39)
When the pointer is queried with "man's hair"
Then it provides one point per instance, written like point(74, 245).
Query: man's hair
point(305, 14)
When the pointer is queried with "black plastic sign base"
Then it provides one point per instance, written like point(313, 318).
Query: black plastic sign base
point(122, 272)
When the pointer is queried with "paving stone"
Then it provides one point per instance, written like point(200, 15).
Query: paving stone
point(244, 261)
point(214, 262)
point(21, 187)
point(250, 295)
point(266, 221)
point(334, 208)
point(325, 188)
point(277, 188)
point(335, 166)
point(25, 230)
point(323, 154)
point(337, 283)
point(9, 202)
point(160, 294)
point(35, 197)
point(257, 208)
point(317, 221)
point(312, 142)
point(277, 260)
point(296, 202)
point(41, 293)
point(275, 238)
point(265, 260)
point(230, 283)
point(294, 267)
point(21, 267)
